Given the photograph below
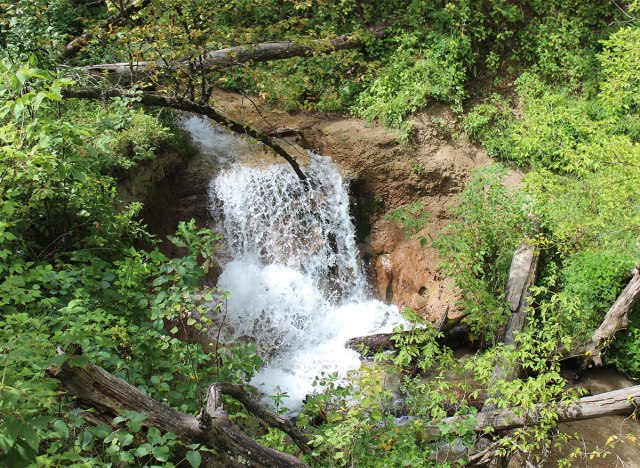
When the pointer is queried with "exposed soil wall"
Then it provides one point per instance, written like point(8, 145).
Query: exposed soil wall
point(385, 175)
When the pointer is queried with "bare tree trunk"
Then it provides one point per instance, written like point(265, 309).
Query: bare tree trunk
point(261, 52)
point(99, 389)
point(153, 99)
point(522, 275)
point(617, 318)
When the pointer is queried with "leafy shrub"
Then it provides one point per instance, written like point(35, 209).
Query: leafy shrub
point(620, 59)
point(412, 77)
point(625, 350)
point(141, 136)
point(488, 123)
point(488, 224)
point(594, 279)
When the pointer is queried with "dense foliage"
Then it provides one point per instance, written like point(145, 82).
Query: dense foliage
point(550, 87)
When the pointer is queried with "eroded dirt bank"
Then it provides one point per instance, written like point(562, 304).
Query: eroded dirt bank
point(385, 175)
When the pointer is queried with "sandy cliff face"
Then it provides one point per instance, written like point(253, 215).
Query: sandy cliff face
point(386, 175)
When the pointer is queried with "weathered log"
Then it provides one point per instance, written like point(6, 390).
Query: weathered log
point(261, 52)
point(617, 318)
point(623, 401)
point(97, 388)
point(619, 402)
point(154, 99)
point(522, 275)
point(455, 337)
point(80, 42)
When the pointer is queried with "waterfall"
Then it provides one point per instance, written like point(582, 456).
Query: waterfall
point(292, 268)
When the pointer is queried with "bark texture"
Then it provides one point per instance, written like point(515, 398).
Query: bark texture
point(153, 99)
point(261, 52)
point(99, 389)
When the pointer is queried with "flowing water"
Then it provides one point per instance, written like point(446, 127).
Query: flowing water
point(291, 265)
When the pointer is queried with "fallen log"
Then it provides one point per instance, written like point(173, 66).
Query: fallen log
point(154, 99)
point(623, 401)
point(455, 337)
point(97, 388)
point(617, 318)
point(484, 452)
point(261, 52)
point(522, 275)
point(80, 42)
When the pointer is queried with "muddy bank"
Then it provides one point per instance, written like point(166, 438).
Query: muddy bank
point(385, 175)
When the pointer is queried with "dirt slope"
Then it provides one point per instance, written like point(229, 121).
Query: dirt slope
point(385, 175)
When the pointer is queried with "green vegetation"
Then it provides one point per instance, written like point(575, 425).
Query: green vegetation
point(546, 86)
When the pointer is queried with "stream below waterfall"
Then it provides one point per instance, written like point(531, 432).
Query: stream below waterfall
point(290, 262)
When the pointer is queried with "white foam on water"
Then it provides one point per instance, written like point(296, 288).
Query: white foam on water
point(295, 277)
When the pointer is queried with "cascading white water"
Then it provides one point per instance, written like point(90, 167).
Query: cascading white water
point(294, 274)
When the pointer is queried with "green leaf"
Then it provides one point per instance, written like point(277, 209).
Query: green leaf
point(194, 459)
point(142, 451)
point(61, 428)
point(161, 453)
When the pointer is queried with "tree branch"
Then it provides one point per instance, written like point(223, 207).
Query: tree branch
point(80, 42)
point(154, 99)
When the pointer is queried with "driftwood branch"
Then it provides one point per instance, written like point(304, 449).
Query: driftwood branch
point(153, 99)
point(261, 52)
point(623, 401)
point(97, 388)
point(80, 42)
point(617, 318)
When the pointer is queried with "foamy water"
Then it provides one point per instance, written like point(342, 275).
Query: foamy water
point(295, 277)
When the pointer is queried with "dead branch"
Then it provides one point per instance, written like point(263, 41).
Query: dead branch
point(154, 99)
point(80, 42)
point(97, 388)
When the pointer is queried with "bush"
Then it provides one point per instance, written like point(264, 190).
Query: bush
point(477, 246)
point(412, 77)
